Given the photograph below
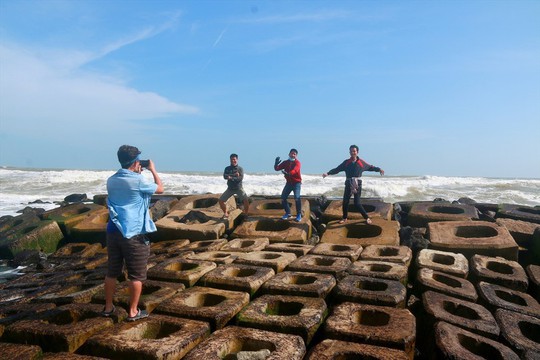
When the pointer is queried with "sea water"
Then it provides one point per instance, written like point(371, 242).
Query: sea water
point(22, 187)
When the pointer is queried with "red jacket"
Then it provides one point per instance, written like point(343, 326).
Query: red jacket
point(293, 170)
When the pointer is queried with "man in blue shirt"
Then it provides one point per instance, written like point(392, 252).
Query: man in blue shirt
point(129, 195)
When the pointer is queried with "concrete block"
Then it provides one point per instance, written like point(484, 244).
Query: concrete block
point(421, 214)
point(373, 325)
point(276, 261)
point(20, 351)
point(246, 245)
point(22, 295)
point(300, 284)
point(380, 269)
point(15, 312)
point(275, 229)
point(169, 246)
point(218, 257)
point(69, 215)
point(205, 202)
point(495, 296)
point(352, 252)
point(387, 253)
point(43, 236)
point(357, 232)
point(498, 271)
point(473, 237)
point(205, 245)
point(273, 207)
point(519, 212)
point(296, 249)
point(320, 264)
point(78, 292)
point(521, 331)
point(534, 275)
point(521, 231)
point(75, 251)
point(214, 306)
point(374, 208)
point(428, 279)
point(153, 293)
point(443, 261)
point(194, 225)
point(90, 263)
point(369, 290)
point(237, 277)
point(92, 229)
point(465, 314)
point(335, 349)
point(182, 270)
point(64, 328)
point(235, 342)
point(456, 343)
point(295, 315)
point(156, 337)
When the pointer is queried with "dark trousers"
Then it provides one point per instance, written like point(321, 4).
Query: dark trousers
point(347, 195)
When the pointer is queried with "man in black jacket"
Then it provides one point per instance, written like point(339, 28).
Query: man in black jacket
point(234, 174)
point(353, 167)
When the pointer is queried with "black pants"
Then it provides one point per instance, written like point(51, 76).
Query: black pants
point(357, 205)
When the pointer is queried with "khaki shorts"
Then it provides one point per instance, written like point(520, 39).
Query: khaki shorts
point(240, 194)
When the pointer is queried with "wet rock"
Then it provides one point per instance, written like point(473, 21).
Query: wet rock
point(76, 198)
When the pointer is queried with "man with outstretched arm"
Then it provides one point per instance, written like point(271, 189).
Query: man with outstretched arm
point(129, 194)
point(291, 169)
point(353, 167)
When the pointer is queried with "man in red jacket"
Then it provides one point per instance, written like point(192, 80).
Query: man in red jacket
point(291, 169)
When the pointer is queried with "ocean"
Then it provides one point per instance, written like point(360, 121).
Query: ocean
point(21, 187)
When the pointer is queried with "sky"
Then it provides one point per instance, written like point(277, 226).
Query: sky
point(446, 88)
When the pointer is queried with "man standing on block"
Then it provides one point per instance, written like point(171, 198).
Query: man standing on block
point(291, 169)
point(353, 167)
point(129, 194)
point(234, 174)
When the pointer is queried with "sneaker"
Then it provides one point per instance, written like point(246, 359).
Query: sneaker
point(298, 218)
point(286, 217)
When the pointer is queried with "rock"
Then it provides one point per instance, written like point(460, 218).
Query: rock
point(76, 198)
point(194, 217)
point(159, 209)
point(26, 257)
point(31, 210)
point(466, 200)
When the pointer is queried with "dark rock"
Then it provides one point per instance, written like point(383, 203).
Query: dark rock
point(160, 208)
point(440, 200)
point(194, 217)
point(26, 257)
point(73, 198)
point(31, 210)
point(39, 201)
point(466, 200)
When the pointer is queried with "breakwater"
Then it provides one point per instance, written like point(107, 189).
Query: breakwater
point(427, 279)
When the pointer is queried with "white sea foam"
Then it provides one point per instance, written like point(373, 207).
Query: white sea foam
point(19, 187)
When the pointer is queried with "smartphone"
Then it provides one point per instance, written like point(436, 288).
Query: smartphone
point(144, 163)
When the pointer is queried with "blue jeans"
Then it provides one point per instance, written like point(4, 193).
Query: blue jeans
point(285, 194)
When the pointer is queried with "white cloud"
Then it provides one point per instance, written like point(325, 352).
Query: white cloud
point(45, 93)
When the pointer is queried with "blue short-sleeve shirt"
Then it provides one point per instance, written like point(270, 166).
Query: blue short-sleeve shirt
point(129, 195)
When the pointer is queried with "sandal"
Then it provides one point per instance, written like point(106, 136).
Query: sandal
point(108, 313)
point(141, 314)
point(342, 221)
point(368, 221)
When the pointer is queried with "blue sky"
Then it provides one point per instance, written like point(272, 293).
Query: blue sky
point(447, 88)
